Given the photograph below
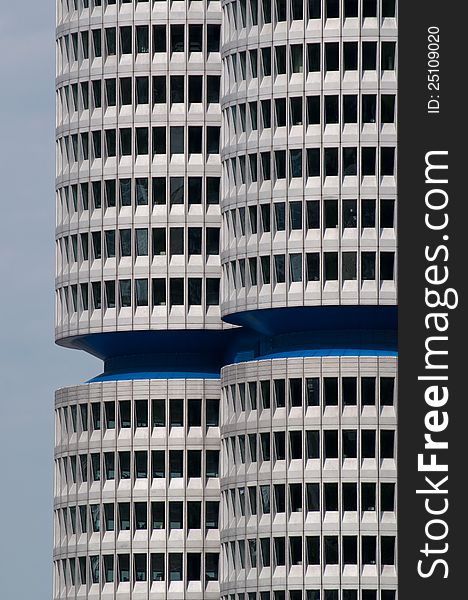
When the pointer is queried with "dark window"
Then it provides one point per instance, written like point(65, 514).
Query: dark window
point(387, 497)
point(350, 56)
point(126, 40)
point(350, 550)
point(280, 449)
point(159, 412)
point(331, 162)
point(368, 161)
point(349, 496)
point(387, 443)
point(331, 496)
point(331, 549)
point(350, 108)
point(387, 161)
point(368, 443)
point(330, 390)
point(177, 140)
point(177, 38)
point(158, 467)
point(349, 444)
point(313, 550)
point(176, 413)
point(159, 89)
point(332, 56)
point(368, 496)
point(369, 56)
point(368, 213)
point(159, 38)
point(313, 497)
point(195, 38)
point(313, 391)
point(176, 461)
point(369, 550)
point(313, 57)
point(331, 444)
point(387, 550)
point(388, 56)
point(194, 89)
point(387, 385)
point(213, 37)
point(313, 444)
point(331, 109)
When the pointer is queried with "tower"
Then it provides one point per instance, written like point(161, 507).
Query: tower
point(138, 271)
point(226, 239)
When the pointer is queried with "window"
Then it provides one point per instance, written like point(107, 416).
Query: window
point(295, 550)
point(175, 515)
point(141, 520)
point(387, 497)
point(159, 38)
point(212, 463)
point(387, 260)
point(177, 38)
point(157, 567)
point(213, 37)
point(369, 550)
point(177, 140)
point(158, 468)
point(387, 443)
point(211, 566)
point(193, 566)
point(158, 515)
point(349, 496)
point(295, 497)
point(175, 566)
point(388, 56)
point(368, 443)
point(331, 496)
point(387, 550)
point(313, 550)
point(368, 496)
point(349, 444)
point(367, 266)
point(387, 161)
point(211, 515)
point(279, 442)
point(124, 516)
point(280, 551)
point(387, 385)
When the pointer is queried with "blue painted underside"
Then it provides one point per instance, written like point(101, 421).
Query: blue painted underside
point(275, 333)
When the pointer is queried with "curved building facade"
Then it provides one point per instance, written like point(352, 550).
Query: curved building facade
point(226, 245)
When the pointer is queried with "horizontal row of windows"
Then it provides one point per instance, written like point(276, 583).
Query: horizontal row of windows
point(140, 191)
point(243, 13)
point(313, 550)
point(173, 566)
point(311, 391)
point(128, 91)
point(280, 498)
point(128, 293)
point(314, 266)
point(138, 516)
point(329, 109)
point(172, 241)
point(158, 412)
point(140, 464)
point(326, 594)
point(296, 445)
point(323, 58)
point(366, 161)
point(329, 214)
point(140, 141)
point(112, 41)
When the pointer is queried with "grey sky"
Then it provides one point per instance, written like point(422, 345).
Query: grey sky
point(31, 367)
